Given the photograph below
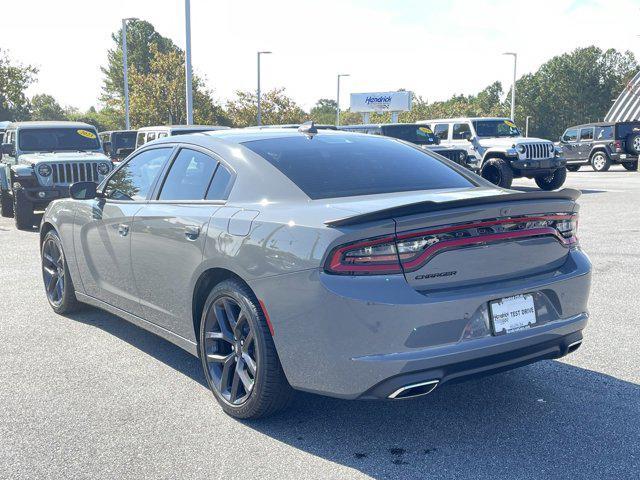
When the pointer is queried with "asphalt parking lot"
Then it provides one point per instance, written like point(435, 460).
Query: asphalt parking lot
point(90, 396)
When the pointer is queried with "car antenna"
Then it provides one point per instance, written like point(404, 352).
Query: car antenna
point(308, 128)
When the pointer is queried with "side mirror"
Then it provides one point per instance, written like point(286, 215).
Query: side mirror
point(468, 138)
point(7, 149)
point(83, 190)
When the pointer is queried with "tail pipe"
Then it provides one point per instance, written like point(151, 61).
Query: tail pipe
point(574, 346)
point(415, 390)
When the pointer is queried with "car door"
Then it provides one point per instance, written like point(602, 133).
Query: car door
point(168, 236)
point(585, 143)
point(103, 229)
point(570, 144)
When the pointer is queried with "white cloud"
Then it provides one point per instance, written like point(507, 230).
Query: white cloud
point(435, 48)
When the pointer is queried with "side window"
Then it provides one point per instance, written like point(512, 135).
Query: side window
point(189, 176)
point(604, 133)
point(134, 180)
point(586, 134)
point(461, 131)
point(151, 136)
point(163, 134)
point(570, 135)
point(140, 139)
point(219, 188)
point(441, 130)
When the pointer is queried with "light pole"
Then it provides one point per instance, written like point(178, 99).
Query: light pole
point(338, 97)
point(513, 88)
point(526, 126)
point(125, 68)
point(189, 88)
point(259, 108)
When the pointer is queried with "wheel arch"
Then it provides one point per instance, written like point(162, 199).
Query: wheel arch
point(205, 283)
point(599, 149)
point(45, 228)
point(489, 154)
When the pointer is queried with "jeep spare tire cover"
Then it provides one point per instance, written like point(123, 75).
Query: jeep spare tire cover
point(633, 143)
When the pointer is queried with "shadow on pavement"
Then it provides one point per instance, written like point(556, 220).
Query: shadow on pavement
point(546, 420)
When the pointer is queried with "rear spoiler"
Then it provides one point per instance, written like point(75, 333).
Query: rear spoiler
point(431, 206)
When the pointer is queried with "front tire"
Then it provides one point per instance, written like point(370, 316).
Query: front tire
point(58, 285)
point(631, 166)
point(6, 204)
point(497, 171)
point(600, 162)
point(22, 212)
point(552, 181)
point(238, 354)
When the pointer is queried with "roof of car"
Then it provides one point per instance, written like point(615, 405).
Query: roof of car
point(462, 119)
point(118, 131)
point(377, 125)
point(241, 135)
point(51, 124)
point(593, 124)
point(183, 127)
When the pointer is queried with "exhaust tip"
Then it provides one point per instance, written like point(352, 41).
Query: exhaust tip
point(574, 346)
point(414, 390)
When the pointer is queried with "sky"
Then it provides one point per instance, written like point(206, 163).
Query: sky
point(433, 48)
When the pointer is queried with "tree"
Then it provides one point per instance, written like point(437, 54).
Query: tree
point(324, 111)
point(141, 38)
point(106, 118)
point(45, 107)
point(14, 80)
point(573, 88)
point(158, 96)
point(277, 108)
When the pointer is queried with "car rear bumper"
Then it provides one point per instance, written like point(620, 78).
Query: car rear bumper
point(362, 337)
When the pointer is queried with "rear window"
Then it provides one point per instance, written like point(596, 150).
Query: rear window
point(343, 166)
point(623, 130)
point(418, 134)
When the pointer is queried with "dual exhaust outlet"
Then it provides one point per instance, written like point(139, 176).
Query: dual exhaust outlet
point(414, 390)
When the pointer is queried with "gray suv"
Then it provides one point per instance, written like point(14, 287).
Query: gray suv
point(40, 160)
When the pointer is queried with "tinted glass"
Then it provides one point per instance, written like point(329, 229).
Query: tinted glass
point(151, 136)
point(134, 180)
point(123, 140)
point(442, 130)
point(570, 135)
point(496, 128)
point(586, 134)
point(189, 176)
point(219, 188)
point(418, 134)
point(604, 133)
point(341, 166)
point(623, 130)
point(461, 131)
point(57, 139)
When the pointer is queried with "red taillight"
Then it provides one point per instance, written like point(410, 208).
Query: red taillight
point(409, 251)
point(618, 145)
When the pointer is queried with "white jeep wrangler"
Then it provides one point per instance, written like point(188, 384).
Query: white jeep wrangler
point(502, 152)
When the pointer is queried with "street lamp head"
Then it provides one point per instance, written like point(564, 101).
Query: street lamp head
point(344, 74)
point(510, 53)
point(264, 52)
point(130, 19)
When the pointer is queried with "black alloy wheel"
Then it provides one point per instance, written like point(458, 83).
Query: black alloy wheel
point(55, 273)
point(238, 355)
point(230, 350)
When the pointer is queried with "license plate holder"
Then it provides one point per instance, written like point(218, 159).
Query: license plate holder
point(512, 314)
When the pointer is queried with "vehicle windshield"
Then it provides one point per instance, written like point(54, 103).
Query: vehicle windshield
point(57, 139)
point(495, 128)
point(123, 140)
point(418, 134)
point(331, 166)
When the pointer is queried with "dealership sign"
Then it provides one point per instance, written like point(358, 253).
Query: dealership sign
point(381, 102)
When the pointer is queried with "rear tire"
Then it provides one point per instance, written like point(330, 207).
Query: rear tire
point(631, 166)
point(238, 355)
point(498, 172)
point(22, 212)
point(600, 162)
point(573, 168)
point(553, 181)
point(58, 285)
point(7, 204)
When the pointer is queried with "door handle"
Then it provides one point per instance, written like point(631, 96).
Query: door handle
point(123, 229)
point(192, 232)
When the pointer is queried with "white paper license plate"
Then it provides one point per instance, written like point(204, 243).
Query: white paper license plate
point(511, 314)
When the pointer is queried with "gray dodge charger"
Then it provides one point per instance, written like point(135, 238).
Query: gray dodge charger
point(349, 265)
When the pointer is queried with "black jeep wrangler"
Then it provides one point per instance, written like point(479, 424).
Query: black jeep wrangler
point(601, 145)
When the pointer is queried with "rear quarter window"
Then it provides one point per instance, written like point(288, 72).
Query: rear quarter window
point(343, 166)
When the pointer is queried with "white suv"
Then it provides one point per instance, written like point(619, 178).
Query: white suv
point(501, 150)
